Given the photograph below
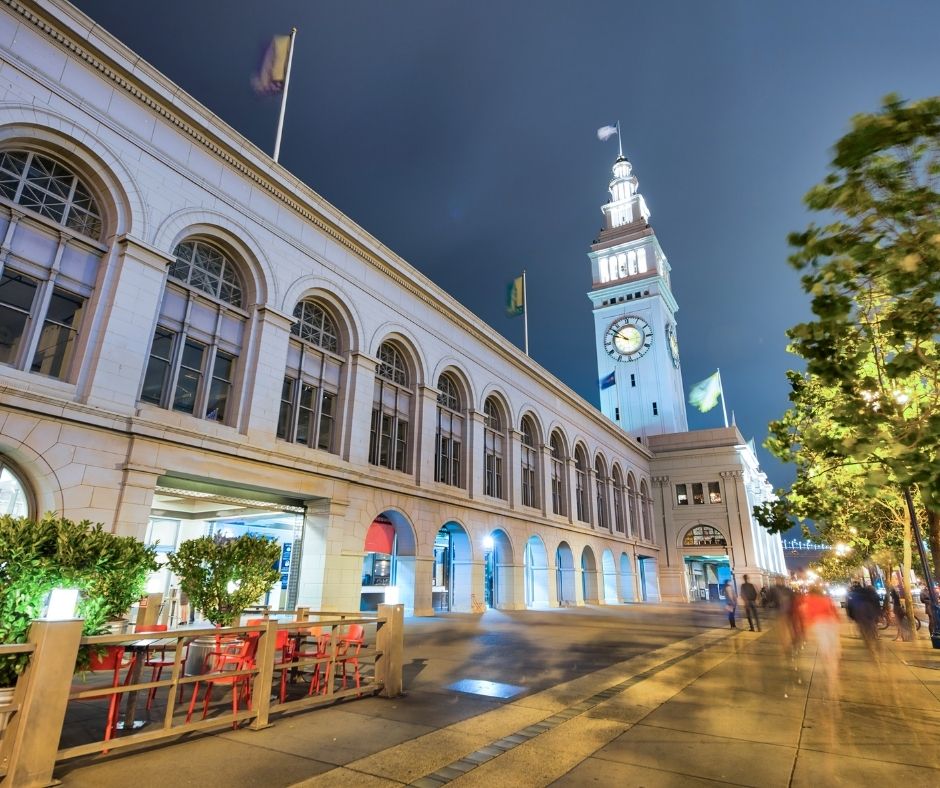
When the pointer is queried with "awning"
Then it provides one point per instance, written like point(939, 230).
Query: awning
point(380, 537)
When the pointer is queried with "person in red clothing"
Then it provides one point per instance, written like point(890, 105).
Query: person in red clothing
point(821, 622)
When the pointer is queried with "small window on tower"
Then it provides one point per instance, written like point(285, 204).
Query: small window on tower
point(655, 410)
point(616, 414)
point(633, 380)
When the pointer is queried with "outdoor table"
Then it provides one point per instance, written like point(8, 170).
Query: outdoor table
point(139, 649)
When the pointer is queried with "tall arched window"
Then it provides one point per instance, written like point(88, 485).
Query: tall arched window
point(634, 515)
point(310, 391)
point(494, 448)
point(14, 494)
point(199, 336)
point(48, 273)
point(391, 411)
point(450, 432)
point(559, 475)
point(600, 485)
point(620, 517)
point(581, 485)
point(529, 464)
point(646, 506)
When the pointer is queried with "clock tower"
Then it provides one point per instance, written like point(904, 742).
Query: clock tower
point(635, 317)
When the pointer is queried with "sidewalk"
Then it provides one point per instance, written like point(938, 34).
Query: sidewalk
point(717, 708)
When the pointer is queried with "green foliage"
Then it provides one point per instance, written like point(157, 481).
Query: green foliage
point(36, 556)
point(223, 576)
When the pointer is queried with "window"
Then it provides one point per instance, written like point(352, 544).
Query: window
point(620, 516)
point(529, 464)
point(682, 495)
point(655, 410)
point(559, 476)
point(631, 496)
point(494, 446)
point(311, 382)
point(581, 485)
point(391, 411)
point(196, 345)
point(14, 495)
point(46, 276)
point(714, 492)
point(698, 496)
point(600, 484)
point(47, 187)
point(450, 430)
point(703, 535)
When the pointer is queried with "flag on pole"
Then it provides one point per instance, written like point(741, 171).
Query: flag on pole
point(608, 380)
point(604, 133)
point(273, 69)
point(704, 395)
point(515, 297)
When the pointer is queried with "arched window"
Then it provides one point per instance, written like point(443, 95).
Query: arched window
point(646, 505)
point(450, 432)
point(581, 485)
point(600, 484)
point(199, 336)
point(310, 391)
point(703, 535)
point(46, 275)
point(494, 448)
point(391, 411)
point(559, 476)
point(620, 516)
point(631, 500)
point(529, 464)
point(51, 189)
point(14, 494)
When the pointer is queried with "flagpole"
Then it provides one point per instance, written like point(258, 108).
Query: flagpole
point(280, 120)
point(525, 312)
point(619, 140)
point(721, 390)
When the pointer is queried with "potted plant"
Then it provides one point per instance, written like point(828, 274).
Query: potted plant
point(222, 576)
point(37, 556)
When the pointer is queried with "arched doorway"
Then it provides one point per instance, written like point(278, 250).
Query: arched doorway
point(498, 570)
point(707, 564)
point(589, 588)
point(388, 566)
point(536, 573)
point(564, 575)
point(627, 579)
point(452, 576)
point(610, 577)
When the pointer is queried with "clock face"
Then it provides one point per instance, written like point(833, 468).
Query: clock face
point(673, 345)
point(628, 338)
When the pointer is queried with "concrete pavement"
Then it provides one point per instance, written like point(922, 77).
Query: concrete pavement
point(626, 695)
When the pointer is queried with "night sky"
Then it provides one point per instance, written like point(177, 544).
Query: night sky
point(462, 135)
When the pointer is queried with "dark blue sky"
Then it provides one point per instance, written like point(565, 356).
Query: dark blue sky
point(462, 135)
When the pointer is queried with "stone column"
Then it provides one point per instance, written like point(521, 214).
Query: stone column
point(513, 472)
point(545, 465)
point(424, 439)
point(264, 373)
point(571, 491)
point(119, 339)
point(135, 498)
point(423, 576)
point(330, 578)
point(357, 410)
point(741, 546)
point(473, 456)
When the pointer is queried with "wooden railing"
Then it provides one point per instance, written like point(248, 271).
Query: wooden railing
point(32, 743)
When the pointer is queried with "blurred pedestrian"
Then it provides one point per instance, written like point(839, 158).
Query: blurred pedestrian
point(731, 603)
point(764, 597)
point(821, 623)
point(749, 595)
point(864, 607)
point(781, 596)
point(905, 630)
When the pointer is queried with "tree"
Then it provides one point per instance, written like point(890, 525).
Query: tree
point(873, 274)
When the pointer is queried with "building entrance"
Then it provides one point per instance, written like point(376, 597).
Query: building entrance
point(706, 575)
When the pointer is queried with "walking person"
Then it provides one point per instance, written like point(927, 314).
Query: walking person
point(731, 602)
point(749, 595)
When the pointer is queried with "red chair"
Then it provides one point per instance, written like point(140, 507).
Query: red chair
point(157, 659)
point(219, 661)
point(286, 646)
point(112, 660)
point(350, 644)
point(321, 651)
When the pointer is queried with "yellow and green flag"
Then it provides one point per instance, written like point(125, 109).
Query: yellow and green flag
point(515, 297)
point(704, 395)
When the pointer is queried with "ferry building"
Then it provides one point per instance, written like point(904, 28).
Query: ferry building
point(192, 342)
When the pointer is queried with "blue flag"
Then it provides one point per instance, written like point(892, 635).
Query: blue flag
point(608, 380)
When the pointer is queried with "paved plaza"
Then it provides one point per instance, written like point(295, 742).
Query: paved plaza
point(635, 696)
